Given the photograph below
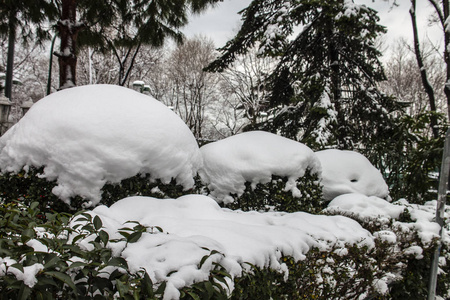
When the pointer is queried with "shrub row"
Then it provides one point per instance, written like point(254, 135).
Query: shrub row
point(69, 271)
point(28, 187)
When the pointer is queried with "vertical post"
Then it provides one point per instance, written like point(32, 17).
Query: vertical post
point(49, 80)
point(440, 210)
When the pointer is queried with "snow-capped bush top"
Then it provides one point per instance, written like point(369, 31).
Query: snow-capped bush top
point(254, 157)
point(89, 135)
point(193, 224)
point(345, 172)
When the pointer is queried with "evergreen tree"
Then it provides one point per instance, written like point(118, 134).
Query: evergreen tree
point(27, 19)
point(119, 23)
point(323, 89)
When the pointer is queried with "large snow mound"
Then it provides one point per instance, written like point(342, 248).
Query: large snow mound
point(90, 135)
point(194, 225)
point(345, 172)
point(254, 157)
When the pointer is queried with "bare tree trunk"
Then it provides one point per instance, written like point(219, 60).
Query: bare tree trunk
point(10, 58)
point(446, 7)
point(423, 72)
point(68, 28)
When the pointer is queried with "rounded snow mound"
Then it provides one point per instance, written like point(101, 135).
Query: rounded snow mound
point(90, 135)
point(345, 172)
point(254, 157)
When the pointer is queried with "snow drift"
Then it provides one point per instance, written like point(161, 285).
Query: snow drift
point(90, 135)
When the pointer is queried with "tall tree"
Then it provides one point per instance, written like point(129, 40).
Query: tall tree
point(193, 89)
point(27, 19)
point(423, 71)
point(323, 89)
point(129, 23)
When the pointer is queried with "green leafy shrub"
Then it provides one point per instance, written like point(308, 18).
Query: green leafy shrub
point(27, 187)
point(66, 270)
point(412, 268)
point(273, 196)
point(410, 157)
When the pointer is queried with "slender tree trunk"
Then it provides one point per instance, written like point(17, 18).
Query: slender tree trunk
point(10, 58)
point(68, 29)
point(423, 72)
point(446, 8)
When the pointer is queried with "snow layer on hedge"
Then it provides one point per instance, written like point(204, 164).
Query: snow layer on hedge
point(254, 157)
point(89, 135)
point(363, 207)
point(345, 172)
point(194, 222)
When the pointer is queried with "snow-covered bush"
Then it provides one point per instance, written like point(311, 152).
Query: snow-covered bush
point(85, 137)
point(345, 172)
point(409, 235)
point(262, 171)
point(190, 247)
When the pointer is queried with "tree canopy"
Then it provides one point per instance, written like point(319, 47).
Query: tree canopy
point(116, 23)
point(323, 88)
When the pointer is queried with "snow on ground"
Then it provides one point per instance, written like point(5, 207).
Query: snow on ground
point(194, 222)
point(254, 157)
point(89, 135)
point(345, 172)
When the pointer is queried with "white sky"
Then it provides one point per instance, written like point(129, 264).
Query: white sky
point(219, 23)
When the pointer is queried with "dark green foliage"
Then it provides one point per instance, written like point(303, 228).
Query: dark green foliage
point(323, 89)
point(142, 185)
point(29, 187)
point(410, 158)
point(70, 271)
point(272, 196)
point(395, 258)
point(61, 276)
point(321, 275)
point(28, 17)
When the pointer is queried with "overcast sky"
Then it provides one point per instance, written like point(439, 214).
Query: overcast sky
point(219, 23)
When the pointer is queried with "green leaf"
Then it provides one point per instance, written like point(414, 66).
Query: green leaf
point(51, 261)
point(45, 281)
point(34, 205)
point(134, 237)
point(104, 237)
point(78, 264)
point(78, 237)
point(161, 288)
point(202, 261)
point(97, 223)
point(147, 286)
point(27, 235)
point(118, 262)
point(193, 295)
point(17, 266)
point(24, 292)
point(62, 277)
point(210, 289)
point(123, 289)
